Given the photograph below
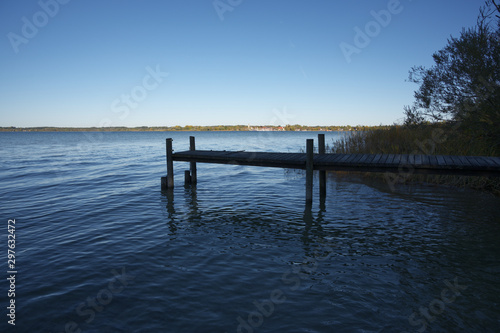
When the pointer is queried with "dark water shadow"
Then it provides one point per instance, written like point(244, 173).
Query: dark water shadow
point(170, 210)
point(312, 218)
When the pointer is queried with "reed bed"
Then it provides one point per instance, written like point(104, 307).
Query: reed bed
point(434, 139)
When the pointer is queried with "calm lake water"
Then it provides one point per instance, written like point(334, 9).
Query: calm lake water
point(99, 248)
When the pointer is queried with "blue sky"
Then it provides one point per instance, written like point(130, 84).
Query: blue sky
point(205, 62)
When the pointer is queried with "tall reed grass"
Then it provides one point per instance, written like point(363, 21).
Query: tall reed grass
point(434, 139)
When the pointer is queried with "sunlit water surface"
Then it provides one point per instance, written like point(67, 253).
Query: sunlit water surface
point(99, 248)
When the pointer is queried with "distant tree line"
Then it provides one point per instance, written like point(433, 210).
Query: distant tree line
point(192, 128)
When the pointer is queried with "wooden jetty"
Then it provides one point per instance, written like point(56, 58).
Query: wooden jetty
point(310, 161)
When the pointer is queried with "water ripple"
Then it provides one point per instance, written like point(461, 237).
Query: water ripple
point(210, 259)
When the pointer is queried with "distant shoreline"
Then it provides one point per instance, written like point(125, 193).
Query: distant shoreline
point(218, 128)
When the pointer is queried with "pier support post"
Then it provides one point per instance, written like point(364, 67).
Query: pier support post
point(322, 173)
point(309, 169)
point(187, 178)
point(170, 165)
point(192, 165)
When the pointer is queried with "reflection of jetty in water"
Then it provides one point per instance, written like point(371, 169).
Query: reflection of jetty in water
point(312, 232)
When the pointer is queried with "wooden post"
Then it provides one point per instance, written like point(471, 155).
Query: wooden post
point(322, 173)
point(164, 183)
point(192, 165)
point(309, 170)
point(170, 165)
point(187, 178)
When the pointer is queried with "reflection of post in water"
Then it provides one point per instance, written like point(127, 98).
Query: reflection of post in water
point(307, 217)
point(313, 225)
point(192, 202)
point(322, 205)
point(322, 173)
point(169, 193)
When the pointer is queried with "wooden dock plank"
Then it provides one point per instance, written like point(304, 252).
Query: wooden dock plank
point(332, 158)
point(390, 159)
point(367, 158)
point(448, 160)
point(433, 160)
point(464, 161)
point(403, 160)
point(321, 158)
point(425, 160)
point(383, 159)
point(282, 157)
point(345, 158)
point(358, 158)
point(327, 158)
point(486, 162)
point(496, 160)
point(456, 161)
point(474, 162)
point(376, 159)
point(441, 161)
point(372, 159)
point(352, 158)
point(337, 158)
point(439, 164)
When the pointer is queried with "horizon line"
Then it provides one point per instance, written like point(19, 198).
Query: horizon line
point(184, 126)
